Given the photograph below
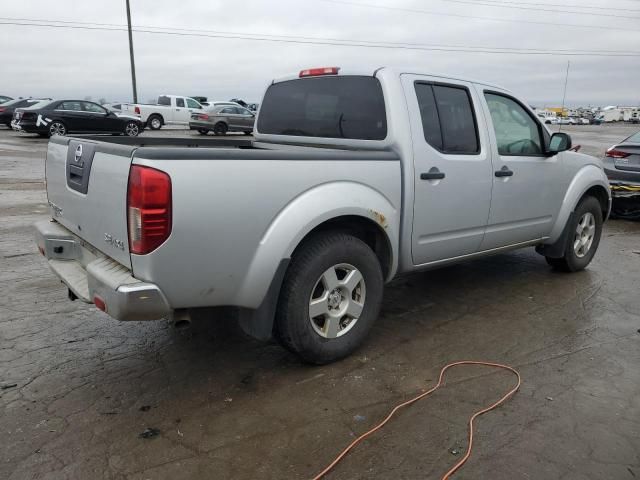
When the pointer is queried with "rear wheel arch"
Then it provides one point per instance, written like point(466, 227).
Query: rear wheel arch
point(362, 228)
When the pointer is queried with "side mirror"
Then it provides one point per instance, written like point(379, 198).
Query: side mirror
point(559, 142)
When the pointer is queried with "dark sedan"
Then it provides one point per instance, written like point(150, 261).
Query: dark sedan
point(622, 166)
point(61, 117)
point(8, 108)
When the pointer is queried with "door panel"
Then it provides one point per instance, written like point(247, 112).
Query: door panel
point(527, 186)
point(452, 168)
point(181, 112)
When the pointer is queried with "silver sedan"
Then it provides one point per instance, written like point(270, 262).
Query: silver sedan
point(223, 119)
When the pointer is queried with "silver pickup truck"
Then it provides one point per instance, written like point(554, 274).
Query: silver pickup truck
point(353, 179)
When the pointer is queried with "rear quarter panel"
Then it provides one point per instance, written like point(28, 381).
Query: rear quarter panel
point(234, 220)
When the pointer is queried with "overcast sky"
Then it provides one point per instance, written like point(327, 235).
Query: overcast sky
point(75, 63)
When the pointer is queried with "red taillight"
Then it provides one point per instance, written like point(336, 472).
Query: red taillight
point(203, 116)
point(99, 303)
point(148, 209)
point(613, 153)
point(2, 109)
point(137, 110)
point(314, 72)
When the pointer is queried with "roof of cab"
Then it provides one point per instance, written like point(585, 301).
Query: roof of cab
point(397, 71)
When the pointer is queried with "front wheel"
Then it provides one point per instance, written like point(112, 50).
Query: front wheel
point(132, 129)
point(585, 230)
point(330, 297)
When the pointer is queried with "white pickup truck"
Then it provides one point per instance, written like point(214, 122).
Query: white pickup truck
point(353, 179)
point(169, 110)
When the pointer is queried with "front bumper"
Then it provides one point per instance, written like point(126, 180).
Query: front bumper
point(89, 275)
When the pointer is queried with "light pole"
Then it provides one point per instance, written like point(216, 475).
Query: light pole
point(133, 64)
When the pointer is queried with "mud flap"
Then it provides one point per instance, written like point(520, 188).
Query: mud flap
point(556, 250)
point(258, 323)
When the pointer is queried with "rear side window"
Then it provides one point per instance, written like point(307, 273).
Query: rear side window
point(74, 106)
point(179, 102)
point(163, 100)
point(448, 120)
point(332, 107)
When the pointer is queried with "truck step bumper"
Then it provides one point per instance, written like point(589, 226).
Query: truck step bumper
point(90, 275)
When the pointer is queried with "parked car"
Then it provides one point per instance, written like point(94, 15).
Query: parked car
point(60, 117)
point(170, 109)
point(548, 119)
point(582, 121)
point(7, 108)
point(622, 166)
point(223, 119)
point(344, 189)
point(4, 98)
point(116, 107)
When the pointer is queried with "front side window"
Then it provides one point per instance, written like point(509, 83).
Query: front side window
point(93, 108)
point(73, 106)
point(448, 121)
point(192, 103)
point(517, 133)
point(179, 102)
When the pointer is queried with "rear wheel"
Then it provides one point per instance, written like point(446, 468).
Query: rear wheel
point(220, 129)
point(330, 297)
point(155, 122)
point(132, 129)
point(585, 230)
point(57, 128)
point(203, 131)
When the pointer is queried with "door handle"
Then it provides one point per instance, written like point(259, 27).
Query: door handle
point(504, 172)
point(432, 175)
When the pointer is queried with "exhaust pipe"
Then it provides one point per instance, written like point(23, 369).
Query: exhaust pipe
point(181, 319)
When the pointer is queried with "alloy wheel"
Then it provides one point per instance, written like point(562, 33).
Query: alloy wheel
point(584, 235)
point(337, 301)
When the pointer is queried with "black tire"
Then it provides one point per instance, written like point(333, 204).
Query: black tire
point(203, 131)
point(220, 128)
point(57, 128)
point(155, 122)
point(316, 256)
point(132, 129)
point(571, 262)
point(43, 135)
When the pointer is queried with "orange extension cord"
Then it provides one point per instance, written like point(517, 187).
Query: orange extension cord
point(453, 469)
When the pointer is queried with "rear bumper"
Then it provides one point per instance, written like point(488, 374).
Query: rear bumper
point(89, 274)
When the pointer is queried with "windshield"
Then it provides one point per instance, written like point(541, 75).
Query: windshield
point(333, 107)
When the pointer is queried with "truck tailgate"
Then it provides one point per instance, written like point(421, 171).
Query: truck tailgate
point(87, 191)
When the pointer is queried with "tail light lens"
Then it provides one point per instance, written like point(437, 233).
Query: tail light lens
point(137, 110)
point(203, 116)
point(613, 153)
point(148, 209)
point(2, 109)
point(316, 72)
